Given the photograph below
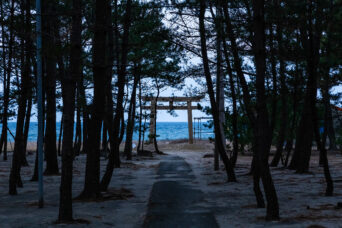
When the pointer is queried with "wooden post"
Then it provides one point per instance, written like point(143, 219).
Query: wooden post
point(191, 141)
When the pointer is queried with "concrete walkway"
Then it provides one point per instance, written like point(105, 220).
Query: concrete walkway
point(173, 202)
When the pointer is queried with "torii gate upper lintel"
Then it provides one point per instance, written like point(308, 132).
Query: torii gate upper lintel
point(171, 106)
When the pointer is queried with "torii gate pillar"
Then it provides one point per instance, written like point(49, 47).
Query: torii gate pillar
point(191, 140)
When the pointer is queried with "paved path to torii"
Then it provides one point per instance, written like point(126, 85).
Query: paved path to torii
point(154, 107)
point(175, 204)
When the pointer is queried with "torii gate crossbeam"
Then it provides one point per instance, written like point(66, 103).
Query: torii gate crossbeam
point(154, 107)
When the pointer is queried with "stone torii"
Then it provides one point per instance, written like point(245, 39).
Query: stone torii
point(154, 107)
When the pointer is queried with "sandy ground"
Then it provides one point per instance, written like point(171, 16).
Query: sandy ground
point(132, 183)
point(301, 197)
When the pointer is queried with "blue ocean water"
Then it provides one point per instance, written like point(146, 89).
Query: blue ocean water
point(165, 130)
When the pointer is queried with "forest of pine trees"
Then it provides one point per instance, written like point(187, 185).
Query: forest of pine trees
point(277, 64)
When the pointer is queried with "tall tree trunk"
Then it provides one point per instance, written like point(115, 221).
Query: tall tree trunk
point(69, 93)
point(114, 156)
point(290, 138)
point(311, 43)
point(7, 82)
point(218, 137)
point(273, 63)
point(328, 119)
point(60, 136)
point(104, 137)
point(108, 121)
point(121, 135)
point(78, 133)
point(92, 177)
point(85, 113)
point(246, 100)
point(220, 84)
point(219, 79)
point(323, 154)
point(27, 122)
point(5, 77)
point(19, 144)
point(50, 131)
point(154, 117)
point(131, 119)
point(263, 137)
point(234, 117)
point(283, 90)
point(233, 97)
point(140, 118)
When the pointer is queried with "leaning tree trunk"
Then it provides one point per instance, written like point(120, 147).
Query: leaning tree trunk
point(60, 136)
point(140, 118)
point(234, 101)
point(19, 144)
point(247, 102)
point(131, 120)
point(27, 123)
point(218, 137)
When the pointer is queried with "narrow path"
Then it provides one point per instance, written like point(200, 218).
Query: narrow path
point(173, 202)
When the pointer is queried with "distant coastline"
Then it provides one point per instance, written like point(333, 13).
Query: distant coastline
point(165, 131)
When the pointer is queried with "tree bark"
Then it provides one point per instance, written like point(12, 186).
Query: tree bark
point(328, 119)
point(7, 82)
point(218, 138)
point(92, 177)
point(311, 43)
point(263, 137)
point(131, 119)
point(19, 143)
point(78, 133)
point(250, 111)
point(60, 136)
point(234, 102)
point(323, 155)
point(220, 84)
point(50, 83)
point(140, 118)
point(114, 156)
point(283, 90)
point(69, 93)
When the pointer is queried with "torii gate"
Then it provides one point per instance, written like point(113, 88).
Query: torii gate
point(188, 107)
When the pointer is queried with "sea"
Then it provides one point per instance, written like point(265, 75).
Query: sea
point(165, 131)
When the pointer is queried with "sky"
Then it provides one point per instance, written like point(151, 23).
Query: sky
point(162, 115)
